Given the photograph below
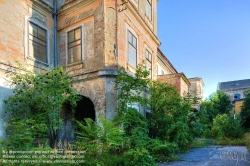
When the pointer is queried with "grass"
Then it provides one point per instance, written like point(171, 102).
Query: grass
point(245, 141)
point(201, 142)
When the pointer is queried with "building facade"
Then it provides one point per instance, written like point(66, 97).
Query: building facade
point(196, 87)
point(236, 90)
point(91, 39)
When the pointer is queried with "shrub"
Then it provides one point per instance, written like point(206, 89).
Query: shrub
point(247, 140)
point(245, 111)
point(138, 156)
point(225, 126)
point(35, 105)
point(162, 150)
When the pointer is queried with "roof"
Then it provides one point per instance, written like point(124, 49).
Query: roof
point(231, 85)
point(166, 60)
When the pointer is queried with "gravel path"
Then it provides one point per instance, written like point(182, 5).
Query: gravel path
point(214, 156)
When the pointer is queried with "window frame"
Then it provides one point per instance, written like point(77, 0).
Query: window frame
point(136, 48)
point(148, 60)
point(30, 59)
point(149, 4)
point(38, 39)
point(81, 26)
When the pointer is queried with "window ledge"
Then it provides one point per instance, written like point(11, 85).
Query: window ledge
point(37, 63)
point(76, 63)
point(131, 68)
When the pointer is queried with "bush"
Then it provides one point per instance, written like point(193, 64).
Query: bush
point(245, 111)
point(35, 105)
point(225, 126)
point(247, 140)
point(138, 156)
point(162, 151)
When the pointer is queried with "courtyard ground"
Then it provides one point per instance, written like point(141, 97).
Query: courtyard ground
point(213, 156)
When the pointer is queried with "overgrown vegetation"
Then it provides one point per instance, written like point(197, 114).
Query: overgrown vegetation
point(245, 111)
point(218, 103)
point(130, 139)
point(35, 106)
point(219, 123)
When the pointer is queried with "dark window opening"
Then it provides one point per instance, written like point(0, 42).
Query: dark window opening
point(236, 96)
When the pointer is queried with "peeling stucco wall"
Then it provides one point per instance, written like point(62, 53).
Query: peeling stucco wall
point(15, 16)
point(5, 92)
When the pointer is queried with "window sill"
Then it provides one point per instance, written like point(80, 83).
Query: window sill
point(74, 64)
point(37, 63)
point(131, 68)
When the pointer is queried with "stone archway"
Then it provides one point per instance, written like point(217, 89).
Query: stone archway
point(84, 109)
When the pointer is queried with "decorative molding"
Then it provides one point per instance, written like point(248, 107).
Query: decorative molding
point(41, 4)
point(37, 15)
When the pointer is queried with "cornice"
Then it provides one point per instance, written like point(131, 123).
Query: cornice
point(42, 5)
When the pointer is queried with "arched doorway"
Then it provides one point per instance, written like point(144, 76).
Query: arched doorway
point(84, 109)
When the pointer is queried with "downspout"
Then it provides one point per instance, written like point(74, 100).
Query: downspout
point(55, 62)
point(116, 47)
point(55, 35)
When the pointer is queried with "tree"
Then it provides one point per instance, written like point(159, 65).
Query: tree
point(168, 120)
point(217, 103)
point(245, 111)
point(35, 105)
point(221, 102)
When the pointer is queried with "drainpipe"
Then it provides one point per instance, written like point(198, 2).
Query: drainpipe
point(55, 35)
point(116, 47)
point(55, 60)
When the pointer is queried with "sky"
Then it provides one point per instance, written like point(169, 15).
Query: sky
point(206, 38)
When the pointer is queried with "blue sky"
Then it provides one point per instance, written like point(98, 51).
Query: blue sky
point(206, 38)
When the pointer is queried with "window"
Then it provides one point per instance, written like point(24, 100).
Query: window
point(162, 72)
point(132, 49)
point(134, 105)
point(74, 46)
point(37, 42)
point(148, 57)
point(236, 96)
point(149, 9)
